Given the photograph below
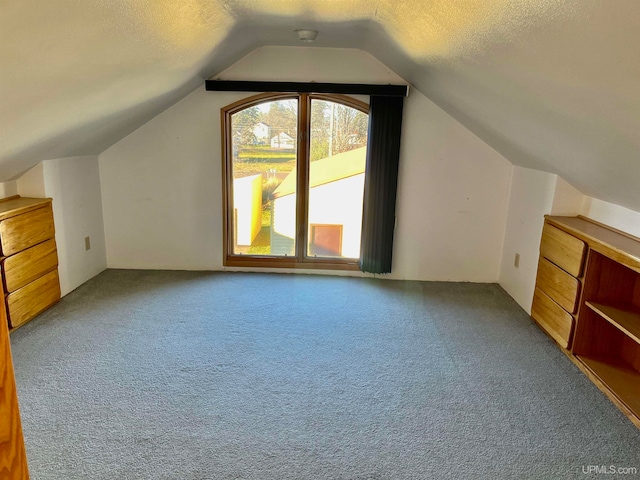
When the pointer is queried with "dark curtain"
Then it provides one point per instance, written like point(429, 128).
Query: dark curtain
point(380, 184)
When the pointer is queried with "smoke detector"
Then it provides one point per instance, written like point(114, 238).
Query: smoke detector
point(307, 36)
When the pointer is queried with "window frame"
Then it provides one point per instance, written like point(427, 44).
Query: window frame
point(300, 259)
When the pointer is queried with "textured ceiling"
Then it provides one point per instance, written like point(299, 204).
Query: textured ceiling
point(551, 84)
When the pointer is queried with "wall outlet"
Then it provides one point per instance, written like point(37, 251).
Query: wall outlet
point(516, 261)
point(87, 243)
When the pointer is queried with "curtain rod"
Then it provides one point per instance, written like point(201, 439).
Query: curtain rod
point(307, 87)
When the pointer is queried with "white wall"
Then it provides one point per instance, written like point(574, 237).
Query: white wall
point(304, 64)
point(532, 194)
point(161, 189)
point(567, 200)
point(452, 199)
point(613, 215)
point(74, 185)
point(31, 183)
point(8, 189)
point(161, 185)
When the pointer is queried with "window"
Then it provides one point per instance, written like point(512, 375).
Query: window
point(294, 169)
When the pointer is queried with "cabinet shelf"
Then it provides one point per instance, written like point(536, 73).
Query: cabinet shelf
point(620, 377)
point(625, 318)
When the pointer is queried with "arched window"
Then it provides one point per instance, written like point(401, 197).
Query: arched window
point(294, 169)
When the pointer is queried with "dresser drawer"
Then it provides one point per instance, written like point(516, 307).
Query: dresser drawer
point(552, 317)
point(26, 230)
point(28, 301)
point(29, 264)
point(565, 250)
point(558, 284)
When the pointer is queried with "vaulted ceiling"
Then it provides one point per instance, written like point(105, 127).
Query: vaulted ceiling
point(551, 84)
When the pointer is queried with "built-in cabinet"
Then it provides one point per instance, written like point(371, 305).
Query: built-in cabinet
point(587, 299)
point(28, 258)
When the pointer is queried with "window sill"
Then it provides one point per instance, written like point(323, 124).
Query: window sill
point(283, 262)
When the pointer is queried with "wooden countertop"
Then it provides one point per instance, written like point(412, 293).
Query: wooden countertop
point(16, 205)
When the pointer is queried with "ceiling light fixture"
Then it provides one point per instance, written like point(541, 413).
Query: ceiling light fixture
point(307, 36)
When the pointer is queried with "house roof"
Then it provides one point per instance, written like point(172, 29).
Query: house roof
point(282, 135)
point(550, 84)
point(327, 170)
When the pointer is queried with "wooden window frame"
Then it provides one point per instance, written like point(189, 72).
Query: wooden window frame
point(300, 259)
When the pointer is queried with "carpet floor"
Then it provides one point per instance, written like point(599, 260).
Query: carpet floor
point(192, 375)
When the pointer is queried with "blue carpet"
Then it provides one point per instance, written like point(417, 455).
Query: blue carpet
point(186, 375)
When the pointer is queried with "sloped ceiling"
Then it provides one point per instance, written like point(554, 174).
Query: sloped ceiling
point(550, 84)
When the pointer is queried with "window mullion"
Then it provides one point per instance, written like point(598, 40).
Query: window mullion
point(304, 126)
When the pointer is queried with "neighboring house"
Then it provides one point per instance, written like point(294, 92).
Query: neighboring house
point(261, 131)
point(336, 187)
point(282, 140)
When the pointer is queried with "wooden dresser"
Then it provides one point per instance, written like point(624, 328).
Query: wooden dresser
point(559, 282)
point(587, 298)
point(28, 258)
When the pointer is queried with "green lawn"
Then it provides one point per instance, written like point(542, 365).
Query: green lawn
point(262, 156)
point(246, 168)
